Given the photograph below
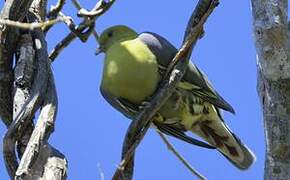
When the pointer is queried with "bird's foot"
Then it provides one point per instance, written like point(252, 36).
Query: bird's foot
point(143, 105)
point(158, 118)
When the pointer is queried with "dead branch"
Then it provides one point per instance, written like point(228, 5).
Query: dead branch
point(33, 86)
point(83, 30)
point(53, 13)
point(14, 10)
point(140, 125)
point(30, 106)
point(54, 10)
point(23, 75)
point(29, 93)
point(79, 7)
point(41, 132)
point(34, 25)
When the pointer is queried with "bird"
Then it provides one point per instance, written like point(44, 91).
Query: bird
point(135, 64)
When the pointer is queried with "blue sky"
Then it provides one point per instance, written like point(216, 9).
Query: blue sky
point(90, 132)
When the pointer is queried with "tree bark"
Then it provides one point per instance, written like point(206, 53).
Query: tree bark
point(273, 64)
point(32, 87)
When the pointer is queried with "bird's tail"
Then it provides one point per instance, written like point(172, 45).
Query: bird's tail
point(219, 135)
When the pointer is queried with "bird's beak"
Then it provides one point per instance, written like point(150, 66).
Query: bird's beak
point(99, 50)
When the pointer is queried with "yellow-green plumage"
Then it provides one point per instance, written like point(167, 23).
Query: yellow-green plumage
point(131, 74)
point(130, 70)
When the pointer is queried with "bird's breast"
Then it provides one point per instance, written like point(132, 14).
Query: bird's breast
point(130, 71)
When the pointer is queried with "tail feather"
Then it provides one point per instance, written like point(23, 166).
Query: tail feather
point(249, 157)
point(216, 133)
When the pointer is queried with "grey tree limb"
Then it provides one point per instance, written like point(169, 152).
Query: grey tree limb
point(25, 115)
point(140, 125)
point(273, 64)
point(13, 10)
point(34, 25)
point(39, 9)
point(34, 88)
point(23, 76)
point(38, 141)
point(53, 13)
point(41, 160)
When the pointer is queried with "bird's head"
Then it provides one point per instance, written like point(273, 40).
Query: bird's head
point(114, 34)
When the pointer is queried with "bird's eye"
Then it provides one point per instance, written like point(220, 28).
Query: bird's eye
point(110, 34)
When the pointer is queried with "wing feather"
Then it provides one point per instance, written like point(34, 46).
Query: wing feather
point(165, 52)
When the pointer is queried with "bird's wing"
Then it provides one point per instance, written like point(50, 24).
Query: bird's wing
point(179, 134)
point(130, 111)
point(193, 79)
point(123, 106)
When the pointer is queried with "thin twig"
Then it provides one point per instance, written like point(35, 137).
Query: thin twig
point(77, 4)
point(79, 7)
point(140, 125)
point(193, 35)
point(53, 13)
point(100, 8)
point(102, 175)
point(34, 25)
point(182, 160)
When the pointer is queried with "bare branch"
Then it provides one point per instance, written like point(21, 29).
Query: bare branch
point(31, 79)
point(42, 130)
point(140, 125)
point(38, 8)
point(79, 7)
point(34, 87)
point(194, 31)
point(102, 175)
point(13, 10)
point(53, 13)
point(83, 31)
point(41, 161)
point(100, 8)
point(31, 105)
point(50, 164)
point(23, 77)
point(33, 25)
point(77, 4)
point(182, 160)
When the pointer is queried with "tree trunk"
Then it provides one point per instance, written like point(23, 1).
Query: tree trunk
point(271, 39)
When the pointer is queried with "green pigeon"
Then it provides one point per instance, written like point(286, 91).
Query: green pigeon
point(135, 64)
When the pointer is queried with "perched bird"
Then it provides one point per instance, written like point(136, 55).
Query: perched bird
point(135, 64)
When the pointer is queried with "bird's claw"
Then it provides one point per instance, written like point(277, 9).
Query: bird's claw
point(144, 104)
